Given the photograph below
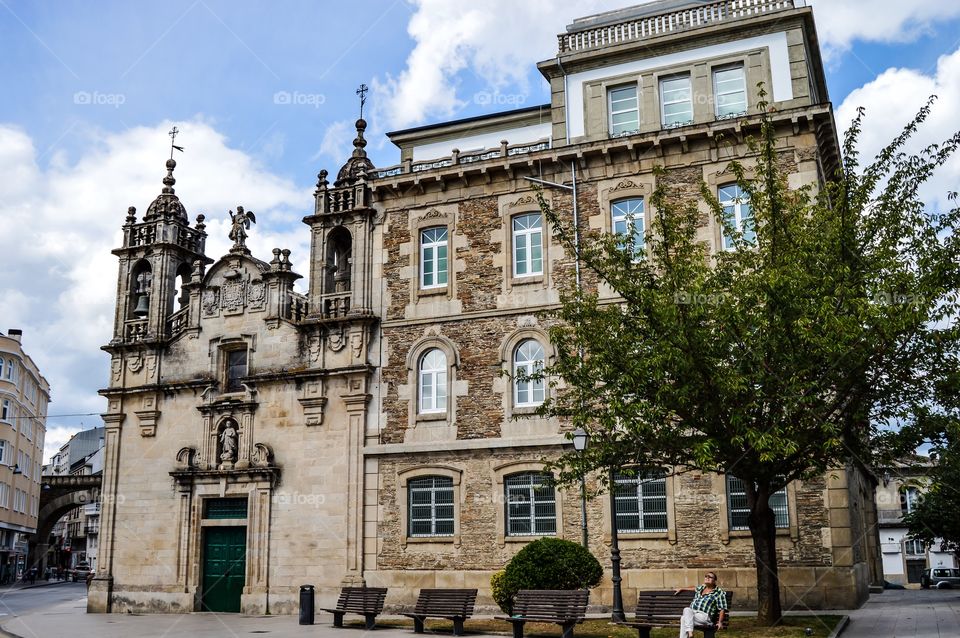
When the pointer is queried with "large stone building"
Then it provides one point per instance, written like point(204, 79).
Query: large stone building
point(369, 431)
point(24, 396)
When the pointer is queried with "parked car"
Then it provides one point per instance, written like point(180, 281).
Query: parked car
point(80, 572)
point(940, 577)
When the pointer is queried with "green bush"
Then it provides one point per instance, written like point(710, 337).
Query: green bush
point(546, 563)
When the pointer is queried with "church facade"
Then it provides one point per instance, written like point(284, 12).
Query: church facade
point(371, 431)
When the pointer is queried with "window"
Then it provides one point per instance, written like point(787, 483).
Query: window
point(26, 426)
point(910, 497)
point(913, 547)
point(624, 112)
point(433, 258)
point(737, 212)
point(236, 369)
point(626, 219)
point(4, 496)
point(531, 505)
point(641, 502)
point(675, 101)
point(740, 511)
point(431, 506)
point(527, 245)
point(433, 382)
point(527, 360)
point(730, 92)
point(11, 370)
point(6, 411)
point(3, 452)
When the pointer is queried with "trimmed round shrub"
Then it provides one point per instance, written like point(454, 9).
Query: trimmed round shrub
point(546, 563)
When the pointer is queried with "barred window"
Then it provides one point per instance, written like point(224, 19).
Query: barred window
point(531, 505)
point(641, 502)
point(430, 506)
point(740, 511)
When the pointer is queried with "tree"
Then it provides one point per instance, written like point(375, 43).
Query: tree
point(774, 361)
point(937, 515)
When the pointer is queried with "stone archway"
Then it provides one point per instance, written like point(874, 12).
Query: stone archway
point(59, 495)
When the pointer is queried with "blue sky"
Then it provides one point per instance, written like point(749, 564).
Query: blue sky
point(263, 94)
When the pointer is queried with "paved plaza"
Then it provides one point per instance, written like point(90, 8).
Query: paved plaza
point(892, 614)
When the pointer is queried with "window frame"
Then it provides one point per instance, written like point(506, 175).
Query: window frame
point(639, 481)
point(663, 80)
point(737, 204)
point(611, 125)
point(526, 235)
point(531, 368)
point(435, 245)
point(433, 490)
point(781, 511)
point(547, 480)
point(911, 498)
point(739, 66)
point(402, 502)
point(435, 372)
point(233, 384)
point(629, 221)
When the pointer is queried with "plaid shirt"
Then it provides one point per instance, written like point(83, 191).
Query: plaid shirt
point(711, 603)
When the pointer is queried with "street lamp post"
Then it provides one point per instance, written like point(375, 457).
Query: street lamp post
point(580, 438)
point(616, 613)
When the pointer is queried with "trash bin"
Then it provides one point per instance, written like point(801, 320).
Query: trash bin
point(306, 604)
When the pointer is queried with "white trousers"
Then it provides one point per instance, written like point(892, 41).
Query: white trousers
point(689, 618)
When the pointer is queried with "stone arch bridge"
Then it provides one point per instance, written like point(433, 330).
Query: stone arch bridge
point(59, 495)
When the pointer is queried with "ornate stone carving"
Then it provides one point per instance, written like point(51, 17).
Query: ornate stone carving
point(135, 362)
point(256, 294)
point(232, 296)
point(524, 200)
point(433, 213)
point(526, 321)
point(239, 225)
point(186, 457)
point(210, 301)
point(336, 340)
point(627, 183)
point(262, 455)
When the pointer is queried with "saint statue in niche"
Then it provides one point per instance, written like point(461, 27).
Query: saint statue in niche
point(228, 442)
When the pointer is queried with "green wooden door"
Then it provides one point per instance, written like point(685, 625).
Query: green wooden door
point(224, 564)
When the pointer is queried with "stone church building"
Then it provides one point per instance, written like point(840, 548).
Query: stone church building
point(258, 439)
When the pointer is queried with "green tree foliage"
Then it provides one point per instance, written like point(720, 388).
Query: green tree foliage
point(779, 359)
point(937, 515)
point(546, 563)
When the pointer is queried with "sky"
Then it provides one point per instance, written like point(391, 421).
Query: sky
point(263, 94)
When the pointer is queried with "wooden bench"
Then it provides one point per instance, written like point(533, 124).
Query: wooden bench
point(366, 601)
point(561, 607)
point(663, 609)
point(452, 604)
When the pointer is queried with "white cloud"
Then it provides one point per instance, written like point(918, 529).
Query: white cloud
point(886, 116)
point(841, 22)
point(336, 143)
point(498, 40)
point(59, 222)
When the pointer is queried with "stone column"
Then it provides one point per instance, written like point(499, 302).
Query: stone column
point(100, 591)
point(356, 406)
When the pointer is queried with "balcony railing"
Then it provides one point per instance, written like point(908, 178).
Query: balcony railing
point(455, 159)
point(135, 330)
point(177, 322)
point(671, 22)
point(889, 516)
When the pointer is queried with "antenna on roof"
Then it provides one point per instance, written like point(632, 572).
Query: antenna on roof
point(362, 92)
point(173, 138)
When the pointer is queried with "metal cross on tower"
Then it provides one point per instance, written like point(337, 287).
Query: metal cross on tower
point(173, 138)
point(362, 92)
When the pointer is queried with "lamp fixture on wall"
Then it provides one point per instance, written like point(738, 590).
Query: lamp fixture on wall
point(886, 478)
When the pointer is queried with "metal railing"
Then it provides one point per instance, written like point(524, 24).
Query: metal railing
point(671, 22)
point(455, 159)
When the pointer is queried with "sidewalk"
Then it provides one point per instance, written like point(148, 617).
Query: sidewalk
point(892, 614)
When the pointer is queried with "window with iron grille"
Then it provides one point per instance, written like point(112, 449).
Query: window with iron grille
point(740, 511)
point(430, 505)
point(641, 502)
point(531, 505)
point(225, 508)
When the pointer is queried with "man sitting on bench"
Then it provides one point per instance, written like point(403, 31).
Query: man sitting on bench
point(708, 607)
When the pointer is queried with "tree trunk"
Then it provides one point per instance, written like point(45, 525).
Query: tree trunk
point(763, 530)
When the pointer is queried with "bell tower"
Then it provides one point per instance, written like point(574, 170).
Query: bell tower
point(158, 259)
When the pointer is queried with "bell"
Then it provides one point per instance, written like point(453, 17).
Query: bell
point(142, 309)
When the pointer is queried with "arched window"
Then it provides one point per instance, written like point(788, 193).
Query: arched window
point(141, 279)
point(527, 360)
point(430, 504)
point(531, 504)
point(627, 219)
point(339, 251)
point(432, 382)
point(183, 277)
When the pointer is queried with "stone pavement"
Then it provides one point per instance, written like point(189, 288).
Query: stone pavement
point(892, 614)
